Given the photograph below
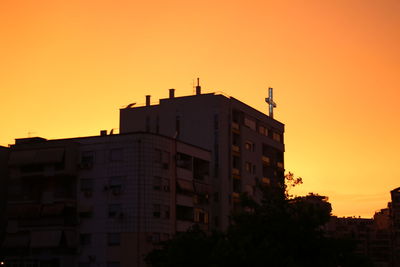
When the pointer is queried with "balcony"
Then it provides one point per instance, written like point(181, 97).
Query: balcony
point(235, 127)
point(266, 160)
point(236, 172)
point(236, 149)
point(235, 197)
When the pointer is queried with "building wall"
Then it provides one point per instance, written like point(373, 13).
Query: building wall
point(123, 202)
point(3, 190)
point(222, 125)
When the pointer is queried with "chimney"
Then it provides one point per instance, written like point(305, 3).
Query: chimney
point(103, 132)
point(148, 100)
point(171, 93)
point(198, 87)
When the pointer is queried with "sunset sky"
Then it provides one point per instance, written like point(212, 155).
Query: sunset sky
point(66, 67)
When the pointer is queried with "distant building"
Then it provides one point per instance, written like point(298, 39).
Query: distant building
point(394, 208)
point(377, 238)
point(3, 190)
point(247, 146)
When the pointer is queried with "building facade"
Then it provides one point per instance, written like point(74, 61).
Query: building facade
point(246, 145)
point(101, 201)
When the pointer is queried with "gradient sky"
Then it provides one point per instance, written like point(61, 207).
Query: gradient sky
point(66, 67)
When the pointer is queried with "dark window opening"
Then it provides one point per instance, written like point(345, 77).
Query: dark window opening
point(184, 161)
point(201, 169)
point(184, 213)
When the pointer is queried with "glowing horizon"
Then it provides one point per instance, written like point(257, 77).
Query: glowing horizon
point(68, 67)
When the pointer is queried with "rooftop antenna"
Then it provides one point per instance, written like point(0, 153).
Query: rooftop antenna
point(198, 87)
point(270, 101)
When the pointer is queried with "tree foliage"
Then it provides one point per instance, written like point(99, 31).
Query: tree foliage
point(274, 231)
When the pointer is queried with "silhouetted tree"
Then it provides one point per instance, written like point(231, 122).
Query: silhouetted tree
point(275, 231)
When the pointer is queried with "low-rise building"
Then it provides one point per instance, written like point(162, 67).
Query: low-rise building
point(102, 201)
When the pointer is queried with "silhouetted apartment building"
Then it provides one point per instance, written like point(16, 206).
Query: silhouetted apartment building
point(394, 208)
point(377, 238)
point(107, 200)
point(3, 190)
point(103, 200)
point(246, 145)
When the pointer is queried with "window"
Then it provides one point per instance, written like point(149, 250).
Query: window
point(236, 115)
point(157, 183)
point(114, 210)
point(263, 130)
point(249, 122)
point(236, 139)
point(113, 239)
point(86, 184)
point(115, 184)
point(184, 161)
point(200, 216)
point(235, 162)
point(156, 210)
point(237, 184)
point(166, 211)
point(184, 213)
point(201, 169)
point(166, 185)
point(247, 166)
point(276, 137)
point(248, 145)
point(87, 157)
point(116, 154)
point(85, 239)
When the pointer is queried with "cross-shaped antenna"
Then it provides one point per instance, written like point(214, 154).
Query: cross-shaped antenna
point(270, 102)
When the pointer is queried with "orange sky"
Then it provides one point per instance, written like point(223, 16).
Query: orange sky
point(66, 67)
